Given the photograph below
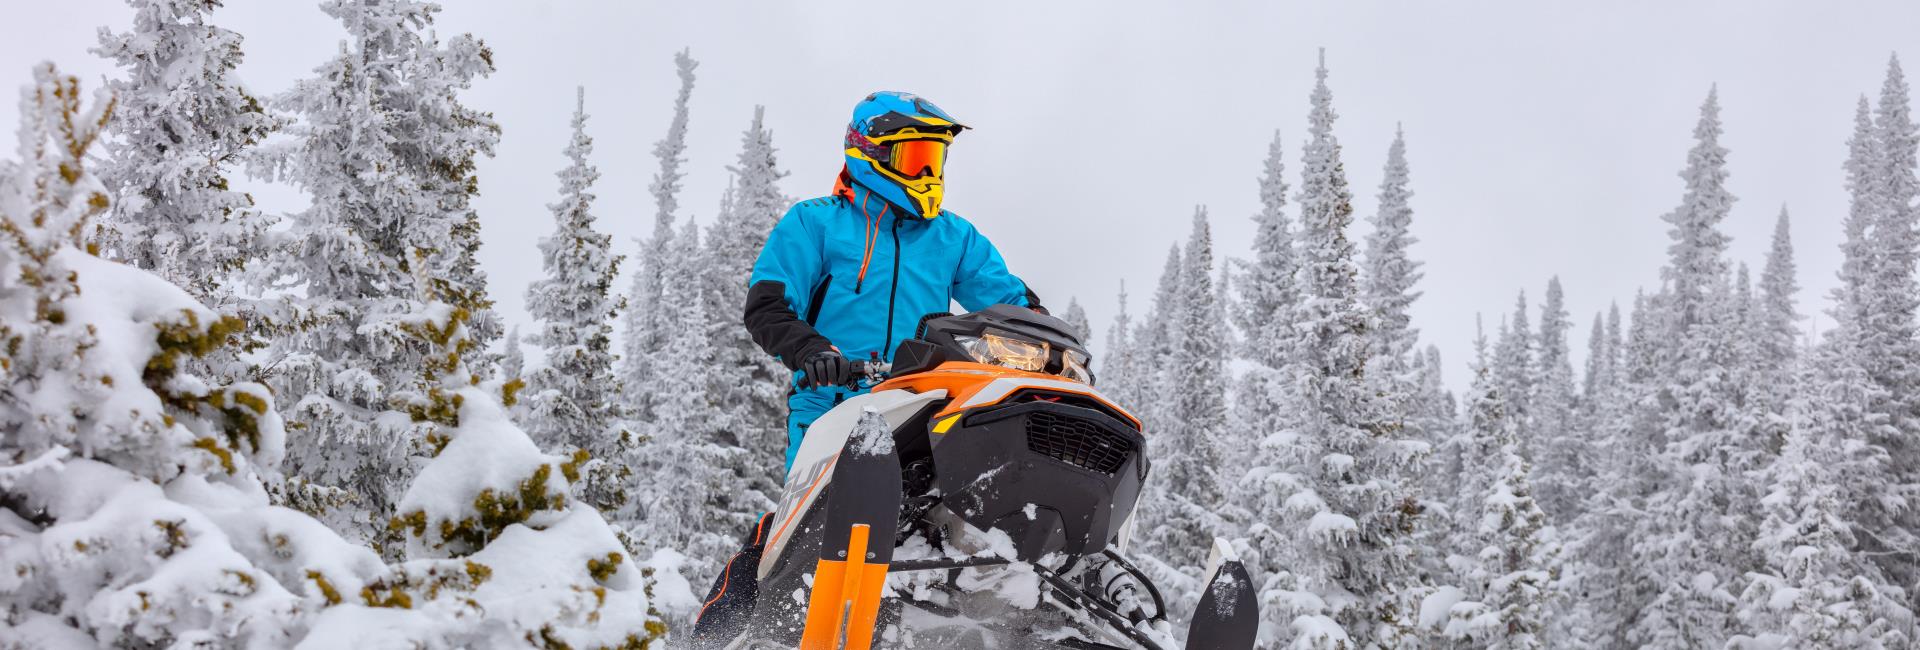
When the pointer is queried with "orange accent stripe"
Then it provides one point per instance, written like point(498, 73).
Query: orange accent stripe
point(962, 379)
point(803, 498)
point(726, 574)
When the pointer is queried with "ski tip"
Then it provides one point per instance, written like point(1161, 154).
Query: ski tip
point(1222, 553)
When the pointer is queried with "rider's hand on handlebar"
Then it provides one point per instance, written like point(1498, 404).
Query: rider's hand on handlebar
point(825, 368)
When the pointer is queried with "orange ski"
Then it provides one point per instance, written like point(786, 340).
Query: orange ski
point(851, 572)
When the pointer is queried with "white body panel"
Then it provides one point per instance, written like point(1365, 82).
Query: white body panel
point(998, 389)
point(813, 465)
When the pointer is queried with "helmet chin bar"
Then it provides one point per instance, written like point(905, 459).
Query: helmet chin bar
point(925, 192)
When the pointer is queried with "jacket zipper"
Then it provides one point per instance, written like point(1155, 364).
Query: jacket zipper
point(892, 291)
point(819, 298)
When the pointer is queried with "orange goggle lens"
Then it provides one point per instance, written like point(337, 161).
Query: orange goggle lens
point(917, 158)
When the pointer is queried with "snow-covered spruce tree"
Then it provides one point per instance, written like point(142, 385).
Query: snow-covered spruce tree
point(1515, 367)
point(1512, 560)
point(1856, 268)
point(1564, 468)
point(575, 398)
point(500, 551)
point(1892, 300)
point(1265, 399)
point(1154, 340)
point(184, 121)
point(1352, 501)
point(1815, 588)
point(1116, 367)
point(1388, 278)
point(1076, 317)
point(697, 491)
point(132, 512)
point(513, 360)
point(1779, 334)
point(1606, 589)
point(1390, 274)
point(1269, 296)
point(1700, 470)
point(1188, 444)
point(387, 151)
point(642, 345)
point(746, 383)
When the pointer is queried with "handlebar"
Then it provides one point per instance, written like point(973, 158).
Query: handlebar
point(875, 371)
point(866, 373)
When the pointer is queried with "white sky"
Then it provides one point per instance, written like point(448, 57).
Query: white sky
point(1544, 137)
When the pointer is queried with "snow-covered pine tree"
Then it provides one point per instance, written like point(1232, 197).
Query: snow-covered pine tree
point(699, 490)
point(1603, 352)
point(492, 527)
point(1354, 506)
point(1116, 368)
point(1155, 340)
point(1269, 295)
point(1390, 274)
point(388, 151)
point(1856, 268)
point(1265, 396)
point(1515, 368)
point(1815, 589)
point(1560, 446)
point(1511, 560)
point(642, 321)
point(1076, 317)
point(184, 121)
point(1700, 469)
point(1893, 298)
point(1188, 446)
point(134, 511)
point(747, 385)
point(1388, 278)
point(1607, 590)
point(574, 396)
point(513, 360)
point(1779, 284)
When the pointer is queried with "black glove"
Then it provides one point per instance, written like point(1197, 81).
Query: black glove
point(825, 368)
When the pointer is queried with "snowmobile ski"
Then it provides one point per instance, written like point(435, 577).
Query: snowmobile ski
point(851, 571)
point(1228, 615)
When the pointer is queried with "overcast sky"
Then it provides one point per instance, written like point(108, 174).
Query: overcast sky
point(1544, 138)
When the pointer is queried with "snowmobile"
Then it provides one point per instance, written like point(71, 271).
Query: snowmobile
point(979, 496)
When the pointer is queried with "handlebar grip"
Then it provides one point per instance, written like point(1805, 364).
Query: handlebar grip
point(861, 370)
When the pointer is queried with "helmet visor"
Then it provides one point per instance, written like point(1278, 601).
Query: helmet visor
point(918, 158)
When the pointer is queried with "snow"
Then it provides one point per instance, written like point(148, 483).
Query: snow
point(1331, 525)
point(491, 452)
point(1437, 606)
point(871, 436)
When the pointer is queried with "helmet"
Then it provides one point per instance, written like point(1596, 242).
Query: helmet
point(897, 147)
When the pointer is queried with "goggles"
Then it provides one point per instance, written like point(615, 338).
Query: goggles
point(918, 158)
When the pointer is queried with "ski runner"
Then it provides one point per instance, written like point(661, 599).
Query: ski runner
point(850, 275)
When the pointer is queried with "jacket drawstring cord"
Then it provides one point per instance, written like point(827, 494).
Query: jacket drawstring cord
point(873, 236)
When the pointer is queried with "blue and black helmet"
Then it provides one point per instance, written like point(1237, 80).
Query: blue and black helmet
point(897, 147)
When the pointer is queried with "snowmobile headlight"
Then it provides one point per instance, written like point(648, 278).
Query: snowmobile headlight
point(1074, 367)
point(1006, 351)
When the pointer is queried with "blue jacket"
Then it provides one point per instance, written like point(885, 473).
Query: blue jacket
point(835, 274)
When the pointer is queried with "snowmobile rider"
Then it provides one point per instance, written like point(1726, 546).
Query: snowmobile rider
point(849, 275)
